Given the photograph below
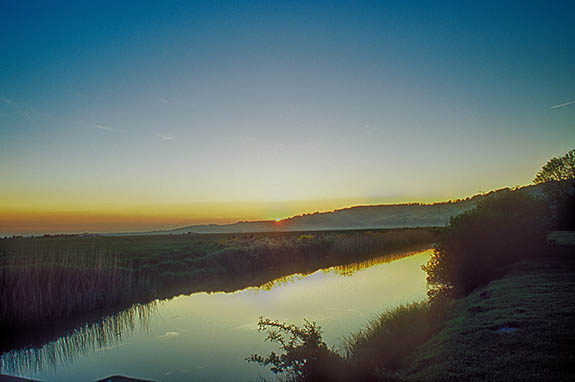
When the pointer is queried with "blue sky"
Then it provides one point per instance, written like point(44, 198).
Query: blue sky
point(272, 105)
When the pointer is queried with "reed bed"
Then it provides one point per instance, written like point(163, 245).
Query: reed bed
point(46, 284)
point(318, 248)
point(374, 241)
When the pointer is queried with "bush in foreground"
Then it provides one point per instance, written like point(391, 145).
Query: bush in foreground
point(372, 354)
point(477, 245)
point(305, 357)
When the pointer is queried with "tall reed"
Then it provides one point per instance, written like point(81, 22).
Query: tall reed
point(48, 284)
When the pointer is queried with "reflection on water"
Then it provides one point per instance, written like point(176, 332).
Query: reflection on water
point(343, 270)
point(96, 336)
point(206, 336)
point(350, 269)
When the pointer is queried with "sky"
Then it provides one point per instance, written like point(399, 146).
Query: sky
point(153, 114)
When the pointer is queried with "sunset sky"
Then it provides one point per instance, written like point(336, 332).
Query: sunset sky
point(161, 114)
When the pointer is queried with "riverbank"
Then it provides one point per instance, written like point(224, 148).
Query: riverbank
point(519, 327)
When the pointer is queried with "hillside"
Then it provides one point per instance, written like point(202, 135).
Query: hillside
point(359, 217)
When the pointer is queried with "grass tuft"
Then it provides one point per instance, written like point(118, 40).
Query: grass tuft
point(388, 340)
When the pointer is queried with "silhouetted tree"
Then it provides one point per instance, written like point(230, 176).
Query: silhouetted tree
point(557, 169)
point(558, 179)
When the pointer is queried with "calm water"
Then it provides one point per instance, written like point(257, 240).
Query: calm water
point(207, 336)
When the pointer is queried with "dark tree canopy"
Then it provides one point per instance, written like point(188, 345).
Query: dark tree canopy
point(557, 169)
point(558, 179)
point(478, 244)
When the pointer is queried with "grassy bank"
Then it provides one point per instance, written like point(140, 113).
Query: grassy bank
point(383, 345)
point(57, 277)
point(519, 327)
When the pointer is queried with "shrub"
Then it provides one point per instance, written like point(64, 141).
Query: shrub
point(560, 196)
point(305, 357)
point(558, 179)
point(478, 244)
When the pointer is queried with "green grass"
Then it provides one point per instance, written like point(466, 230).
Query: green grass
point(534, 300)
point(385, 343)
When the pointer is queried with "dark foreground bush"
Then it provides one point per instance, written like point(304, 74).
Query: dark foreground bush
point(477, 245)
point(558, 180)
point(560, 197)
point(372, 354)
point(305, 356)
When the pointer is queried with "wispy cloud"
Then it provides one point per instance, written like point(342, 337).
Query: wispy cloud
point(108, 128)
point(166, 137)
point(89, 96)
point(245, 140)
point(163, 100)
point(370, 128)
point(9, 101)
point(563, 105)
point(19, 108)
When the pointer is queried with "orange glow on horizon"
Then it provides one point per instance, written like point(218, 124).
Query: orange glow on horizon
point(43, 216)
point(41, 219)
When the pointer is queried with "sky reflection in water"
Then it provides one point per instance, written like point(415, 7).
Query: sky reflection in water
point(206, 336)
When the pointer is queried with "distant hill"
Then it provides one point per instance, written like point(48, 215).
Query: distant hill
point(359, 217)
